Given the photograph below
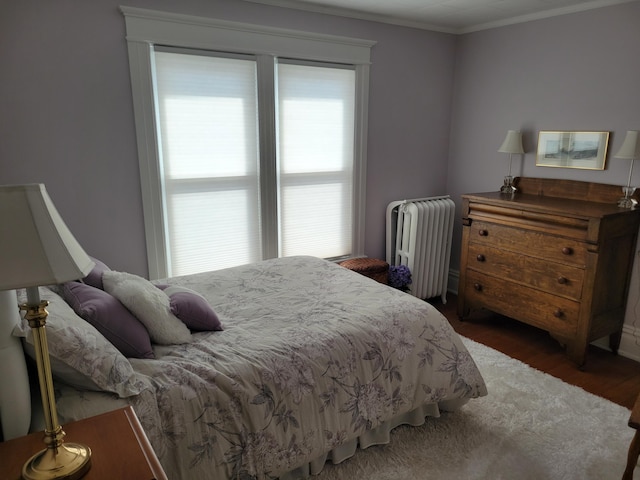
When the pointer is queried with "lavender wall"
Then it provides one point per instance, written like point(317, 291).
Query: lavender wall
point(66, 114)
point(572, 72)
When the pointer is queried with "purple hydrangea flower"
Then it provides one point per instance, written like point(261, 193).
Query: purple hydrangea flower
point(399, 276)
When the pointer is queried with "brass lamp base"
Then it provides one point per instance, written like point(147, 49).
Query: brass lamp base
point(59, 460)
point(70, 461)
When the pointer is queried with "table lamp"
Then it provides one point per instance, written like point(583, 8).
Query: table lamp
point(38, 249)
point(630, 149)
point(512, 144)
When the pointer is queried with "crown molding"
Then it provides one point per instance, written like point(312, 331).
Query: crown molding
point(424, 25)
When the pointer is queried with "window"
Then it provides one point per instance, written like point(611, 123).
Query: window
point(257, 133)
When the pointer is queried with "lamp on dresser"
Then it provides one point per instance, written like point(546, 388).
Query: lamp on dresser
point(630, 149)
point(512, 144)
point(38, 249)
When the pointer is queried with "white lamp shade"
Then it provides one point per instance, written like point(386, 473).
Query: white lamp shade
point(36, 247)
point(630, 147)
point(512, 143)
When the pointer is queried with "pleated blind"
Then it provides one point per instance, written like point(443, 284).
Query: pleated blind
point(207, 116)
point(315, 159)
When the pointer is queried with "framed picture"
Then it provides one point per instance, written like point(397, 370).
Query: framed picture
point(586, 150)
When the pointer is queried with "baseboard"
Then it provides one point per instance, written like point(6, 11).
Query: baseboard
point(629, 342)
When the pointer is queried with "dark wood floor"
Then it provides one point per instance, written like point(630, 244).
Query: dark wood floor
point(607, 375)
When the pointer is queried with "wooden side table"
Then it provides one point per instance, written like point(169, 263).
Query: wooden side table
point(634, 448)
point(119, 448)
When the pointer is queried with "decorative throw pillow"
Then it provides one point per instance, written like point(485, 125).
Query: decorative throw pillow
point(94, 278)
point(79, 355)
point(192, 308)
point(149, 304)
point(110, 317)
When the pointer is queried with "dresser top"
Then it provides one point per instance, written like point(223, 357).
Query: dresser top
point(567, 197)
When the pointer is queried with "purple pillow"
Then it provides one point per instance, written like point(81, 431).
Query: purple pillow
point(94, 278)
point(112, 319)
point(192, 308)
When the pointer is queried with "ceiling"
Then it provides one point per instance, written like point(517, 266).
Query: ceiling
point(450, 16)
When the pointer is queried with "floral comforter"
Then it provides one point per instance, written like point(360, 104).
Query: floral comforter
point(311, 355)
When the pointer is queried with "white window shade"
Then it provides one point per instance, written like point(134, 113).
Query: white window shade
point(208, 129)
point(315, 159)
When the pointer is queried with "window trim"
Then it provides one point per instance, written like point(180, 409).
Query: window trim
point(146, 28)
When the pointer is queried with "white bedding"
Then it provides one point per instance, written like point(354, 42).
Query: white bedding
point(312, 357)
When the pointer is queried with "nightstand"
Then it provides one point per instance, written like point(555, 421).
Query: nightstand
point(119, 448)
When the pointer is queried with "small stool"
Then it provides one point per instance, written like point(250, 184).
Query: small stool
point(373, 268)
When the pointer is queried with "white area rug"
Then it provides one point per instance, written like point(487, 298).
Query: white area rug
point(530, 426)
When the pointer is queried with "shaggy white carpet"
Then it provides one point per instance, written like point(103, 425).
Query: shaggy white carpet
point(530, 426)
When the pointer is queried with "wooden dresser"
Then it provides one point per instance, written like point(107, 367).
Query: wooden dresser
point(558, 254)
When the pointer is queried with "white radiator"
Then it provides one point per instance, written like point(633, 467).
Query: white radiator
point(419, 236)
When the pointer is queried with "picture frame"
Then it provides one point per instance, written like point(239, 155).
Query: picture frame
point(586, 150)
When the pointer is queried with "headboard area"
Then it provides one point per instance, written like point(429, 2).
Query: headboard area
point(15, 396)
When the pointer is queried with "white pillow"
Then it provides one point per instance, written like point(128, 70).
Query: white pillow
point(148, 303)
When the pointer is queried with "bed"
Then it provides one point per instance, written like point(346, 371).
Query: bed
point(303, 362)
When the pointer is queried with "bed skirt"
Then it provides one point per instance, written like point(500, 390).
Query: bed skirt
point(376, 436)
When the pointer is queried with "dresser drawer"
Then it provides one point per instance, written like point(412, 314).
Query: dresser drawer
point(543, 310)
point(555, 278)
point(529, 242)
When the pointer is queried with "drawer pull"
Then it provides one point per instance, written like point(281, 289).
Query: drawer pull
point(483, 232)
point(477, 287)
point(567, 250)
point(480, 258)
point(562, 280)
point(558, 313)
